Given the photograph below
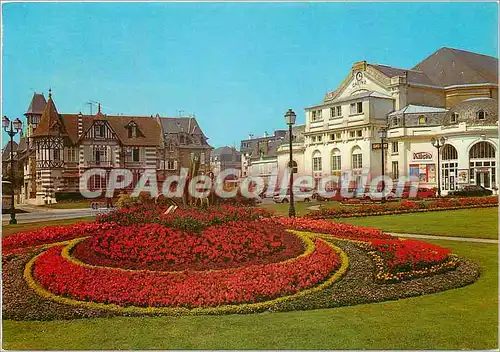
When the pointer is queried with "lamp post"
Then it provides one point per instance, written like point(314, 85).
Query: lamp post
point(290, 121)
point(383, 135)
point(12, 128)
point(438, 143)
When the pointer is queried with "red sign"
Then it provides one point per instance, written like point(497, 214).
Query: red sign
point(422, 156)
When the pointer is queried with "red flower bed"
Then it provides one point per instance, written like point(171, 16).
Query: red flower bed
point(394, 257)
point(335, 229)
point(187, 288)
point(403, 207)
point(190, 219)
point(405, 255)
point(53, 234)
point(157, 247)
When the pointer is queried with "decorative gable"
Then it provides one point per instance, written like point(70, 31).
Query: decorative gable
point(100, 130)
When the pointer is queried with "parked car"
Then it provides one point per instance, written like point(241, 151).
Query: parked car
point(422, 193)
point(334, 194)
point(300, 195)
point(471, 191)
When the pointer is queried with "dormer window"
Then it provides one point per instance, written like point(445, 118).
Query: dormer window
point(481, 115)
point(133, 131)
point(454, 118)
point(182, 139)
point(422, 120)
point(395, 121)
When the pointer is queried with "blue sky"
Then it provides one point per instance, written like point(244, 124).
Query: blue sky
point(237, 66)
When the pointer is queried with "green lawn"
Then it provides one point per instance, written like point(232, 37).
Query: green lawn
point(481, 223)
point(12, 229)
point(301, 208)
point(69, 205)
point(465, 318)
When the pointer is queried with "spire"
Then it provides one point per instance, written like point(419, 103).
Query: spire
point(50, 123)
point(37, 105)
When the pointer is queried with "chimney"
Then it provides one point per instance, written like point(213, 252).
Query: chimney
point(80, 124)
point(265, 134)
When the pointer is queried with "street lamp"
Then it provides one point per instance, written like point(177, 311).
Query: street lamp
point(12, 128)
point(290, 121)
point(438, 143)
point(383, 135)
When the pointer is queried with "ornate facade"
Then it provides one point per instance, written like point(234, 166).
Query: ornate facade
point(59, 148)
point(451, 94)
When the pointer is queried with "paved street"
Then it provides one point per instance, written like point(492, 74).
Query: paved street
point(51, 214)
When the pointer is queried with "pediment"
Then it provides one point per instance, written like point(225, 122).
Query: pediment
point(361, 81)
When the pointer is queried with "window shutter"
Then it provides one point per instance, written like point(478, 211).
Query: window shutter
point(142, 154)
point(86, 153)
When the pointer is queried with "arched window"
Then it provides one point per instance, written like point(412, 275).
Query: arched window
point(482, 150)
point(449, 165)
point(316, 157)
point(481, 115)
point(357, 158)
point(449, 152)
point(482, 164)
point(422, 120)
point(336, 160)
point(293, 166)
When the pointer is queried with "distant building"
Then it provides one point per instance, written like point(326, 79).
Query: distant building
point(258, 155)
point(224, 158)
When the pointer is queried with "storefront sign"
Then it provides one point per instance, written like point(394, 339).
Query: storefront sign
point(422, 156)
point(376, 146)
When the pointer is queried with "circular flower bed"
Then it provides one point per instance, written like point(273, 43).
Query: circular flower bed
point(220, 260)
point(158, 247)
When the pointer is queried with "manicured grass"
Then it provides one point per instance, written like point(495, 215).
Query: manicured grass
point(481, 223)
point(8, 230)
point(301, 208)
point(464, 318)
point(68, 205)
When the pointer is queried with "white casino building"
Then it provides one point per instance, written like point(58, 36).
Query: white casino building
point(451, 94)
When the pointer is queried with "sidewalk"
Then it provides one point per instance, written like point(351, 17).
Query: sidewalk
point(446, 238)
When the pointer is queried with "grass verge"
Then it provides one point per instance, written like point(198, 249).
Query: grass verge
point(464, 318)
point(8, 230)
point(480, 223)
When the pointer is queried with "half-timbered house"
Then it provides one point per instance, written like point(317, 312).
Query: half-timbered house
point(64, 146)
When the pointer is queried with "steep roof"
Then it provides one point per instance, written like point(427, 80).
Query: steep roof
point(413, 76)
point(448, 66)
point(51, 123)
point(148, 126)
point(181, 124)
point(37, 104)
point(188, 125)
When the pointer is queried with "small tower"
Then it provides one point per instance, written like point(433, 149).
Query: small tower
point(49, 140)
point(34, 113)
